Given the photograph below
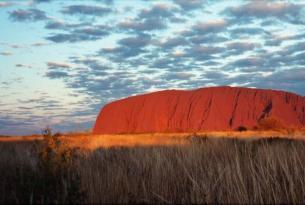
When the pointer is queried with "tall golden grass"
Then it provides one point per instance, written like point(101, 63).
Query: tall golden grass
point(91, 142)
point(200, 170)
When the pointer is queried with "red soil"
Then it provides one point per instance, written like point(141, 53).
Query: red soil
point(205, 109)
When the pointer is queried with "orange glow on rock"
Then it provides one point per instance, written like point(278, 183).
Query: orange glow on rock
point(206, 109)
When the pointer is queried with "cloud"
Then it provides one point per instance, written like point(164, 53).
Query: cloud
point(5, 4)
point(247, 62)
point(292, 49)
point(239, 32)
point(172, 62)
point(55, 74)
point(288, 76)
point(214, 75)
point(243, 79)
point(160, 10)
point(175, 53)
point(20, 65)
point(103, 83)
point(52, 112)
point(27, 15)
point(209, 38)
point(86, 10)
point(288, 79)
point(216, 25)
point(201, 39)
point(51, 64)
point(177, 76)
point(55, 70)
point(162, 63)
point(203, 53)
point(94, 67)
point(238, 48)
point(278, 39)
point(173, 42)
point(54, 24)
point(98, 31)
point(6, 53)
point(128, 47)
point(200, 49)
point(76, 32)
point(38, 44)
point(136, 41)
point(108, 2)
point(206, 31)
point(110, 86)
point(85, 33)
point(291, 55)
point(189, 4)
point(144, 25)
point(261, 9)
point(71, 38)
point(8, 122)
point(154, 18)
point(241, 46)
point(121, 52)
point(41, 1)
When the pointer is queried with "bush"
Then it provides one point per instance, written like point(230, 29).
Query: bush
point(43, 172)
point(60, 181)
point(270, 124)
point(241, 128)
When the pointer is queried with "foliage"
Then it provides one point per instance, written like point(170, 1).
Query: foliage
point(270, 124)
point(241, 128)
point(61, 181)
point(51, 178)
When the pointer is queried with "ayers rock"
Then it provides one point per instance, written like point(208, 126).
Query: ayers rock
point(204, 109)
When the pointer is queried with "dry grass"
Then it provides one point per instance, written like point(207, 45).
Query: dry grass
point(196, 169)
point(91, 142)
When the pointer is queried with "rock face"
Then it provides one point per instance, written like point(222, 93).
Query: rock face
point(204, 109)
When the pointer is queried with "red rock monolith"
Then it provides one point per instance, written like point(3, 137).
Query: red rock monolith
point(205, 109)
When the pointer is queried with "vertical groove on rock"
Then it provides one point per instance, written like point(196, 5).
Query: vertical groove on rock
point(206, 113)
point(191, 101)
point(173, 112)
point(266, 111)
point(234, 109)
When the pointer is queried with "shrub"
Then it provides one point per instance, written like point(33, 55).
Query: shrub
point(196, 138)
point(60, 181)
point(270, 124)
point(241, 128)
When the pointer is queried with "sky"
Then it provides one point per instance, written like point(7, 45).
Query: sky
point(62, 60)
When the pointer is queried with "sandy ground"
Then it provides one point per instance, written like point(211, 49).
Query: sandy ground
point(91, 142)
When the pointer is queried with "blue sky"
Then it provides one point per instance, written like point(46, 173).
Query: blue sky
point(61, 61)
